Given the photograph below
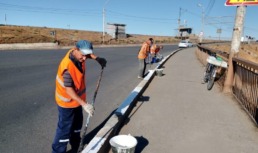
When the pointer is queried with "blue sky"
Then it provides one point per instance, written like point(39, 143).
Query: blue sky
point(140, 16)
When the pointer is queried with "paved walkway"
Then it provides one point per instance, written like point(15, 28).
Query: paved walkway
point(178, 114)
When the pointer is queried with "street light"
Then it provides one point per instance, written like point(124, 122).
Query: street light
point(103, 13)
point(201, 33)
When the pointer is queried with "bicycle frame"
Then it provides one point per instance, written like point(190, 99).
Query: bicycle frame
point(211, 70)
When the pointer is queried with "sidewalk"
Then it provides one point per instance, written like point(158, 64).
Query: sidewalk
point(177, 114)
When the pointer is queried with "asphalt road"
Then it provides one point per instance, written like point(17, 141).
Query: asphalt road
point(28, 113)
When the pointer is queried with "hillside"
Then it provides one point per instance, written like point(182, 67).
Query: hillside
point(67, 37)
point(246, 51)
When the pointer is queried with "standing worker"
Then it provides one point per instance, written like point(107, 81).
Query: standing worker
point(142, 55)
point(70, 96)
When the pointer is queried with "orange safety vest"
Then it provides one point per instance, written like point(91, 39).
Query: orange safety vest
point(62, 98)
point(143, 53)
point(155, 49)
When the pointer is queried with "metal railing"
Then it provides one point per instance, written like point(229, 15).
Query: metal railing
point(245, 85)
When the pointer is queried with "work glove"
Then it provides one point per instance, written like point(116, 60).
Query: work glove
point(101, 61)
point(88, 108)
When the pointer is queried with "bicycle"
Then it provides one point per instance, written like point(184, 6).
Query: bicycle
point(213, 65)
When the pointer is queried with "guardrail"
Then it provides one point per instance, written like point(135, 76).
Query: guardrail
point(245, 85)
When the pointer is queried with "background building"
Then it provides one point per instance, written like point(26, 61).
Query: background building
point(117, 31)
point(184, 33)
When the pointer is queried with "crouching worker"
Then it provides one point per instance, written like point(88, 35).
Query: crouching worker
point(70, 96)
point(155, 49)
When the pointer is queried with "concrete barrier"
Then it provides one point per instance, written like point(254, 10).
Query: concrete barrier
point(100, 143)
point(28, 46)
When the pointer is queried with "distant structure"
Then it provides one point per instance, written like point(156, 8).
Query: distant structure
point(184, 33)
point(117, 31)
point(247, 39)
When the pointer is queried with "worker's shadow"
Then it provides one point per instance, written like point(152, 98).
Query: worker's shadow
point(89, 136)
point(141, 100)
point(141, 144)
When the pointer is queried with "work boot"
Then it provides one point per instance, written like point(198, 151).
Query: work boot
point(72, 151)
point(139, 77)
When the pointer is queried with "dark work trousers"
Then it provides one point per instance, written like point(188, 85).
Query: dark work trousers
point(68, 129)
point(142, 67)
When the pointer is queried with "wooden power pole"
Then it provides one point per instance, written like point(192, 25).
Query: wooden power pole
point(235, 44)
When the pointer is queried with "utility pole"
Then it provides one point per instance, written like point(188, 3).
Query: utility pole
point(5, 18)
point(201, 33)
point(235, 44)
point(179, 17)
point(219, 32)
point(179, 21)
point(104, 14)
point(103, 34)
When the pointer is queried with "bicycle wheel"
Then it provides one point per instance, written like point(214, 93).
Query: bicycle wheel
point(211, 78)
point(206, 73)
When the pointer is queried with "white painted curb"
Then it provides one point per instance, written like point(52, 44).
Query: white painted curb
point(104, 134)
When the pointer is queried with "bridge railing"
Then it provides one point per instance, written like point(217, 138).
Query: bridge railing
point(245, 85)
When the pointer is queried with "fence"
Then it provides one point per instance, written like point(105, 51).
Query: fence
point(245, 85)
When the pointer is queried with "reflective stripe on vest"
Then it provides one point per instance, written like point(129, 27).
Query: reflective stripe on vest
point(62, 84)
point(59, 81)
point(69, 99)
point(63, 98)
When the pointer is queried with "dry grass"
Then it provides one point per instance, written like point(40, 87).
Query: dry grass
point(246, 51)
point(66, 37)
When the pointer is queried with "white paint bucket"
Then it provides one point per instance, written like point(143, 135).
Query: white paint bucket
point(159, 72)
point(123, 144)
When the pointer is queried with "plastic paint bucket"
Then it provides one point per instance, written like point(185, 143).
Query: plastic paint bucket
point(123, 144)
point(159, 72)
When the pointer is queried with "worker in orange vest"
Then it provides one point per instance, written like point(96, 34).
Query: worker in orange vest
point(71, 97)
point(142, 55)
point(154, 51)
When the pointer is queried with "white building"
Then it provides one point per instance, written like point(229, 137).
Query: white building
point(116, 30)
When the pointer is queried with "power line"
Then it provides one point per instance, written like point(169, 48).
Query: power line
point(220, 20)
point(209, 7)
point(140, 17)
point(23, 8)
point(250, 29)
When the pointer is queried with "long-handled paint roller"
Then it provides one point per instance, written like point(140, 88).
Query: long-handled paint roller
point(88, 118)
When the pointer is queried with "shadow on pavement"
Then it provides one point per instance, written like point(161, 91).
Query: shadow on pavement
point(141, 144)
point(141, 99)
point(89, 136)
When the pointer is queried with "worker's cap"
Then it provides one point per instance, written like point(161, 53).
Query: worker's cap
point(151, 41)
point(85, 47)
